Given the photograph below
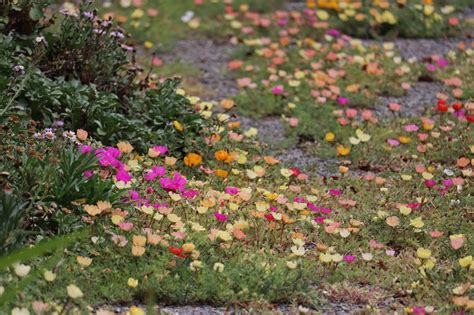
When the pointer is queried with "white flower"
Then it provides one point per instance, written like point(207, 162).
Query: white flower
point(22, 270)
point(188, 16)
point(20, 311)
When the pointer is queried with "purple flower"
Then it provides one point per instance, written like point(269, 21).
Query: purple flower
point(349, 258)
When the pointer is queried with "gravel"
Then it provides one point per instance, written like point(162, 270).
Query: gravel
point(211, 58)
point(419, 98)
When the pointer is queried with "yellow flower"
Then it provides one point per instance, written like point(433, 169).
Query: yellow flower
point(423, 253)
point(428, 9)
point(138, 251)
point(147, 44)
point(133, 283)
point(84, 261)
point(74, 292)
point(195, 265)
point(178, 126)
point(139, 240)
point(192, 159)
point(465, 261)
point(188, 248)
point(417, 223)
point(291, 264)
point(329, 137)
point(49, 276)
point(135, 310)
point(218, 267)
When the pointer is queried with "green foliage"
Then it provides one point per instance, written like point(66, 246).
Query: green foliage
point(12, 210)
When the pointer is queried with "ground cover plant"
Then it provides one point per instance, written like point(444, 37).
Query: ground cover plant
point(120, 187)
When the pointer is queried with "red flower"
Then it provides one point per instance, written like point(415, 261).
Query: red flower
point(470, 118)
point(177, 251)
point(442, 106)
point(457, 106)
point(269, 217)
point(295, 171)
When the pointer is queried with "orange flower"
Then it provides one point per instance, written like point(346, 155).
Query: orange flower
point(192, 159)
point(342, 150)
point(223, 155)
point(221, 173)
point(125, 147)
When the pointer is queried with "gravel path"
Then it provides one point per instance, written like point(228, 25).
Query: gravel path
point(419, 98)
point(211, 58)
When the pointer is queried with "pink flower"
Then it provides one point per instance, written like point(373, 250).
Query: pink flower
point(88, 173)
point(125, 226)
point(335, 192)
point(394, 107)
point(293, 122)
point(351, 113)
point(431, 67)
point(367, 114)
point(393, 142)
point(422, 136)
point(411, 128)
point(349, 258)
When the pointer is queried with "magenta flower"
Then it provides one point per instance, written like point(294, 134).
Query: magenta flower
point(160, 149)
point(177, 182)
point(134, 195)
point(448, 182)
point(232, 190)
point(85, 149)
point(320, 219)
point(335, 192)
point(349, 258)
point(278, 90)
point(220, 216)
point(88, 173)
point(430, 183)
point(442, 62)
point(190, 193)
point(343, 100)
point(123, 176)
